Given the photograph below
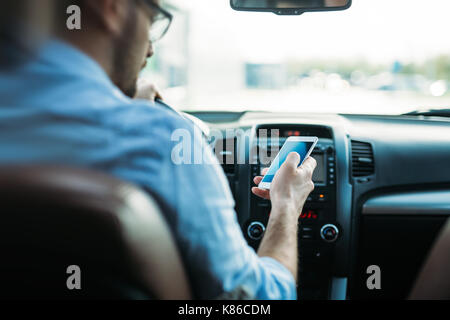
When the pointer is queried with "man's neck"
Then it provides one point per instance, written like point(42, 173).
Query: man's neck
point(98, 49)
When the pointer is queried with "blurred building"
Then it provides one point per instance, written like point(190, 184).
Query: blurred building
point(190, 64)
point(265, 76)
point(169, 67)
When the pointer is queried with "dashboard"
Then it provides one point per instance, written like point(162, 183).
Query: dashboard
point(380, 197)
point(319, 228)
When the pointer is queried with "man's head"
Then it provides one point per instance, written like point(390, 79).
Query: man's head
point(116, 33)
point(24, 25)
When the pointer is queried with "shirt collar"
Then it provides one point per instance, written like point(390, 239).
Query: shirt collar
point(64, 57)
point(67, 59)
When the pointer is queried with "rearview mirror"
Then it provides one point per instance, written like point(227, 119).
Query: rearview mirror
point(290, 7)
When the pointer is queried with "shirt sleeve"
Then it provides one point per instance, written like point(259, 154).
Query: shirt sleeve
point(187, 175)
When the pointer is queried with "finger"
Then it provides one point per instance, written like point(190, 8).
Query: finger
point(155, 90)
point(265, 170)
point(265, 194)
point(257, 180)
point(292, 161)
point(310, 164)
point(158, 96)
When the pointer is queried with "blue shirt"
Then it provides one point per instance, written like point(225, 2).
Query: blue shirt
point(61, 107)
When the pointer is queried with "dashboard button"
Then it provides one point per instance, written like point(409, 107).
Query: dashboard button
point(256, 230)
point(329, 233)
point(330, 150)
point(307, 233)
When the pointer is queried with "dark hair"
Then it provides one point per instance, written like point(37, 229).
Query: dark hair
point(11, 42)
point(10, 12)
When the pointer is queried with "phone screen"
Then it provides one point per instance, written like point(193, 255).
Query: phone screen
point(301, 147)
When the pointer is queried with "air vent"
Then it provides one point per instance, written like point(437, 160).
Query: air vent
point(363, 164)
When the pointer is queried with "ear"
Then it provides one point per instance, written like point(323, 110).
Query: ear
point(111, 15)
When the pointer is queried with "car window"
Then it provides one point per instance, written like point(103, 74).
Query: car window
point(381, 56)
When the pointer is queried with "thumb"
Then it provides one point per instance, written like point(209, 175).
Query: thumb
point(292, 161)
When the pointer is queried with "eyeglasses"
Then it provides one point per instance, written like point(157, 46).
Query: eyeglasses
point(160, 21)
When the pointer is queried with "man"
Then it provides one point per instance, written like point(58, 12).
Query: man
point(23, 23)
point(66, 107)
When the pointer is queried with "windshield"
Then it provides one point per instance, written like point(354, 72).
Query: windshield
point(378, 57)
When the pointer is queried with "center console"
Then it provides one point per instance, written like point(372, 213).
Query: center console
point(318, 228)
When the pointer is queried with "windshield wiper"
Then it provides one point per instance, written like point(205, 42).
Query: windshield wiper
point(430, 113)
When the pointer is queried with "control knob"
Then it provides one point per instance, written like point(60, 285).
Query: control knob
point(256, 230)
point(329, 233)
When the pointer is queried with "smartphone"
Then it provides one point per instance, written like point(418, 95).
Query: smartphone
point(304, 146)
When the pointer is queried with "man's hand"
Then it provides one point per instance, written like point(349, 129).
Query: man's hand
point(291, 185)
point(147, 91)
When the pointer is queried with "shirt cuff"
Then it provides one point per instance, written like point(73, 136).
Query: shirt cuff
point(283, 277)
